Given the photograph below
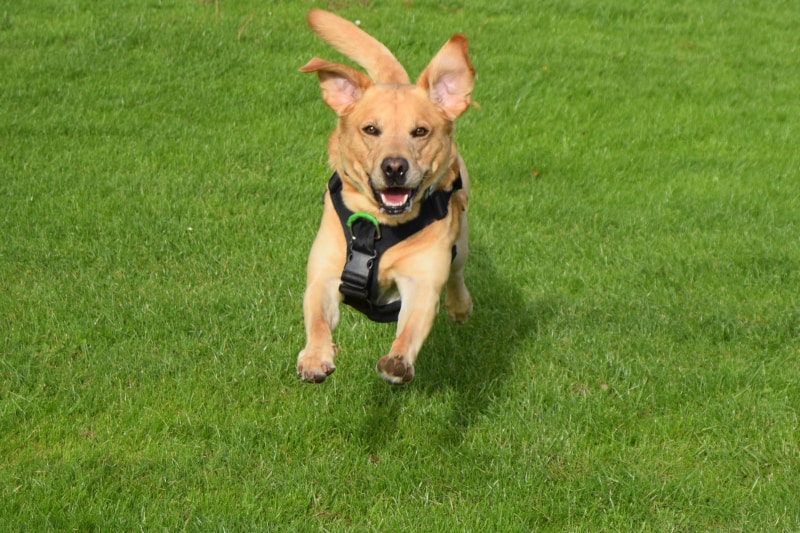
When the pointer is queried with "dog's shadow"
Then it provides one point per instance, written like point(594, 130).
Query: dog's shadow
point(465, 366)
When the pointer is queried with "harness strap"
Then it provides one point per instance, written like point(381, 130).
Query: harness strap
point(367, 240)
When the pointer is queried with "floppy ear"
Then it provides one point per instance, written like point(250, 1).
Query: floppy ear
point(341, 85)
point(352, 41)
point(449, 77)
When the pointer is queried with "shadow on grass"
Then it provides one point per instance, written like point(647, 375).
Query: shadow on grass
point(464, 365)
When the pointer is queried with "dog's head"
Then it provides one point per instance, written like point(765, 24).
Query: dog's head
point(394, 140)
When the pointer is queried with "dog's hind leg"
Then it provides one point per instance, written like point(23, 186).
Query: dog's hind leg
point(457, 300)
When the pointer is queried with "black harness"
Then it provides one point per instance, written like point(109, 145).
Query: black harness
point(367, 240)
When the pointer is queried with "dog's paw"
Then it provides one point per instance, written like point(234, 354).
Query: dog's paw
point(459, 308)
point(314, 366)
point(395, 369)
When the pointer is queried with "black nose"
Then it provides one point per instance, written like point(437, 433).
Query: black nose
point(395, 169)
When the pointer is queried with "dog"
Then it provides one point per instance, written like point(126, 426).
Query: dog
point(393, 233)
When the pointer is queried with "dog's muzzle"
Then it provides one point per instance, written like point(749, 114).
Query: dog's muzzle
point(394, 200)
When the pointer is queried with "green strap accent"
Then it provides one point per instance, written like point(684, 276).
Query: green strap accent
point(366, 216)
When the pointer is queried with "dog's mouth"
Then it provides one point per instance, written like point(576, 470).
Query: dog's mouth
point(395, 200)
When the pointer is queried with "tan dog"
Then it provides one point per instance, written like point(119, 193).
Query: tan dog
point(398, 170)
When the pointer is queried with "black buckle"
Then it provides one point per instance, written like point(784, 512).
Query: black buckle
point(361, 253)
point(356, 275)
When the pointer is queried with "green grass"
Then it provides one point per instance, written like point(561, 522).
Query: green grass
point(633, 362)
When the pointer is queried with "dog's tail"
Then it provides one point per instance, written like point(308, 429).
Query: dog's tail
point(349, 39)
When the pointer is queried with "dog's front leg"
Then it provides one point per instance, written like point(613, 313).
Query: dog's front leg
point(321, 316)
point(321, 299)
point(420, 303)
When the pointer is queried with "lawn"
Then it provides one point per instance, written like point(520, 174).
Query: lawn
point(633, 362)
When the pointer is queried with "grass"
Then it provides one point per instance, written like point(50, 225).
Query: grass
point(632, 363)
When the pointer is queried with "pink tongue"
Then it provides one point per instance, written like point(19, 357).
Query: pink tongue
point(395, 196)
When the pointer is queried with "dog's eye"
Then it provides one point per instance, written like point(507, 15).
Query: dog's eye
point(419, 132)
point(371, 130)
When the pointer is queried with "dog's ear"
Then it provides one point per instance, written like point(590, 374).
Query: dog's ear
point(449, 77)
point(352, 41)
point(341, 85)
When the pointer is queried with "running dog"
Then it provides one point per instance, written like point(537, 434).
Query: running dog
point(394, 228)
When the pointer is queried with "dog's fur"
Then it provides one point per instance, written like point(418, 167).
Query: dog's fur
point(393, 141)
